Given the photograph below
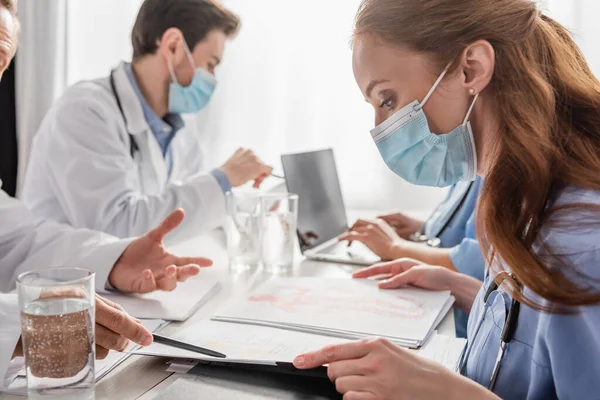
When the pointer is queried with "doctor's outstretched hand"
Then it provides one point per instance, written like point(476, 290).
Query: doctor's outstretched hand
point(145, 266)
point(376, 369)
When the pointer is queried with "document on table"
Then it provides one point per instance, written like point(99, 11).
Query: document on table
point(259, 345)
point(243, 344)
point(18, 385)
point(444, 349)
point(346, 308)
point(178, 305)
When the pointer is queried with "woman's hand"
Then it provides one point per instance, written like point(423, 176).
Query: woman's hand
point(376, 369)
point(409, 272)
point(115, 328)
point(378, 236)
point(406, 271)
point(146, 266)
point(402, 224)
point(68, 335)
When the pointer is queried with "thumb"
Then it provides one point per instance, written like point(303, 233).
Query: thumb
point(172, 221)
point(405, 278)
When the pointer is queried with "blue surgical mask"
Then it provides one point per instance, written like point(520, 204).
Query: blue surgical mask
point(417, 155)
point(193, 98)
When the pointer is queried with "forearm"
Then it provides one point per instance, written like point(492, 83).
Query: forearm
point(465, 289)
point(469, 390)
point(425, 254)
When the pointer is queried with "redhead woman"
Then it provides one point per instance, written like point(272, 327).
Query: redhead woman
point(497, 89)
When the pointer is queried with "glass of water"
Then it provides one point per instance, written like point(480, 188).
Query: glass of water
point(57, 326)
point(279, 221)
point(243, 230)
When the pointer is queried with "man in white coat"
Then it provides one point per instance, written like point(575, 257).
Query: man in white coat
point(27, 243)
point(114, 155)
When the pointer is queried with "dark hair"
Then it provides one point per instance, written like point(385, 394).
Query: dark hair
point(10, 5)
point(195, 19)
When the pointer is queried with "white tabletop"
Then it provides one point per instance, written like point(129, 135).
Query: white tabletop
point(145, 377)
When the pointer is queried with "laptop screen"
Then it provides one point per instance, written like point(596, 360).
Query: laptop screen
point(321, 212)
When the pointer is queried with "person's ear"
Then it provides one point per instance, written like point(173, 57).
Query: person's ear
point(477, 64)
point(170, 45)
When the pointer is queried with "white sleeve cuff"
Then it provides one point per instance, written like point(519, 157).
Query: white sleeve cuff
point(10, 331)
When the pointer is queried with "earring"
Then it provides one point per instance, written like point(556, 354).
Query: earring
point(472, 92)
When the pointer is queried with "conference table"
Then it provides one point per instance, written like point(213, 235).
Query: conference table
point(141, 377)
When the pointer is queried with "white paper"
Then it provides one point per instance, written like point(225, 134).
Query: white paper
point(177, 305)
point(242, 343)
point(445, 350)
point(353, 308)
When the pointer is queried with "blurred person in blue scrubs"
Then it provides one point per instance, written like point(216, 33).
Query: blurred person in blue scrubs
point(447, 238)
point(115, 155)
point(500, 90)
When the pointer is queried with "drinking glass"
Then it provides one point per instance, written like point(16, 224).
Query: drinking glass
point(243, 230)
point(278, 225)
point(57, 326)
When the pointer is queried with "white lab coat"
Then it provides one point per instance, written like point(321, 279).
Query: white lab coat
point(26, 244)
point(82, 173)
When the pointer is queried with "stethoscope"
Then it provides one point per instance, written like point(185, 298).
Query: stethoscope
point(508, 331)
point(436, 242)
point(133, 147)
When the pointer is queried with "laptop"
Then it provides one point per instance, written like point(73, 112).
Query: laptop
point(321, 212)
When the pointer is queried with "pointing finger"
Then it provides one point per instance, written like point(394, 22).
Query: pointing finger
point(405, 278)
point(122, 324)
point(375, 270)
point(329, 354)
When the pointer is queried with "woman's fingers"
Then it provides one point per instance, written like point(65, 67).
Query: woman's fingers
point(110, 340)
point(329, 354)
point(101, 352)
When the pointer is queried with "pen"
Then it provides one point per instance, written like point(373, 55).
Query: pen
point(186, 346)
point(278, 176)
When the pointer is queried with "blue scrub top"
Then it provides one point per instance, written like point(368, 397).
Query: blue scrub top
point(552, 356)
point(459, 235)
point(446, 224)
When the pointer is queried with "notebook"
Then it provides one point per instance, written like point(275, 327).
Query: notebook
point(343, 308)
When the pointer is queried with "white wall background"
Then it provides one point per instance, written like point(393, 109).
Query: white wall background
point(285, 85)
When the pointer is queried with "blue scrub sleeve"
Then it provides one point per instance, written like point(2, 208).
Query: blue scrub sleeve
point(222, 180)
point(467, 258)
point(572, 344)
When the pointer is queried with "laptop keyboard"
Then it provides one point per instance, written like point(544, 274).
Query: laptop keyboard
point(355, 250)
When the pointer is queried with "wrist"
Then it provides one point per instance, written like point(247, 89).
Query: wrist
point(464, 289)
point(229, 175)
